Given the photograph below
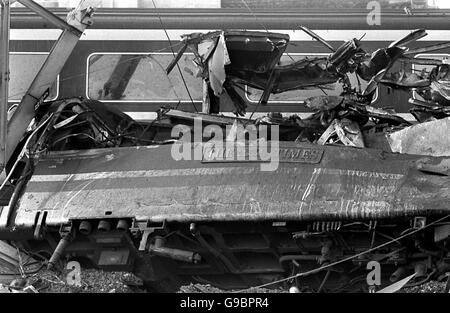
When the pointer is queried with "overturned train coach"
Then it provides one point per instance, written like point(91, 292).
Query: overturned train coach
point(98, 187)
point(230, 224)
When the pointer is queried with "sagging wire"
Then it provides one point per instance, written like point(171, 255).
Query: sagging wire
point(170, 81)
point(68, 78)
point(75, 135)
point(24, 151)
point(174, 55)
point(320, 87)
point(261, 24)
point(317, 270)
point(265, 28)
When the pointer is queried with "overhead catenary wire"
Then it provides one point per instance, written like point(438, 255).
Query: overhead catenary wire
point(317, 270)
point(68, 78)
point(261, 23)
point(173, 52)
point(266, 29)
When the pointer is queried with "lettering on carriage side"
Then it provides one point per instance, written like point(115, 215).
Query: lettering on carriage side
point(286, 155)
point(230, 148)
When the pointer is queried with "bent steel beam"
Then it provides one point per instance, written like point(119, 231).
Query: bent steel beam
point(49, 16)
point(79, 19)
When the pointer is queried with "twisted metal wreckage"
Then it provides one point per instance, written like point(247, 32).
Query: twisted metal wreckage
point(354, 183)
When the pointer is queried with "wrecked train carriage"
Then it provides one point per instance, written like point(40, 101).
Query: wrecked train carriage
point(230, 60)
point(98, 187)
point(228, 223)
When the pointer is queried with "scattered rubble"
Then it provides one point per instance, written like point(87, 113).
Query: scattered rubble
point(97, 281)
point(199, 288)
point(92, 281)
point(430, 287)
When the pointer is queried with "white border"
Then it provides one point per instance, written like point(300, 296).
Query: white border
point(57, 78)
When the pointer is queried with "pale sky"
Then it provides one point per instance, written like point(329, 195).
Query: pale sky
point(442, 4)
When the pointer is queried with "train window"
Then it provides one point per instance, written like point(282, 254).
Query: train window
point(23, 67)
point(254, 95)
point(427, 68)
point(141, 78)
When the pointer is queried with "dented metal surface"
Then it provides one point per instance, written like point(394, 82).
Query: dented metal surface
point(430, 138)
point(346, 184)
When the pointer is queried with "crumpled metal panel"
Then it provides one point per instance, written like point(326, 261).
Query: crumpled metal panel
point(311, 183)
point(430, 138)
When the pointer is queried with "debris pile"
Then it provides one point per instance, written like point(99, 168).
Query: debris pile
point(230, 61)
point(199, 288)
point(92, 281)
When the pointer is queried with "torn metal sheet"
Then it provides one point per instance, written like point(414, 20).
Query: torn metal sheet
point(346, 131)
point(216, 66)
point(430, 138)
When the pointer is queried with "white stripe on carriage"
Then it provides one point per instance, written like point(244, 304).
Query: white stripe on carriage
point(142, 174)
point(203, 172)
point(175, 34)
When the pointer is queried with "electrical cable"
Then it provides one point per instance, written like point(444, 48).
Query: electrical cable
point(173, 52)
point(317, 270)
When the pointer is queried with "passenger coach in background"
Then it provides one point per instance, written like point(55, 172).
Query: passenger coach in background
point(121, 60)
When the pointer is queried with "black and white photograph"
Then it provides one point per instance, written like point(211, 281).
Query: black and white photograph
point(224, 152)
